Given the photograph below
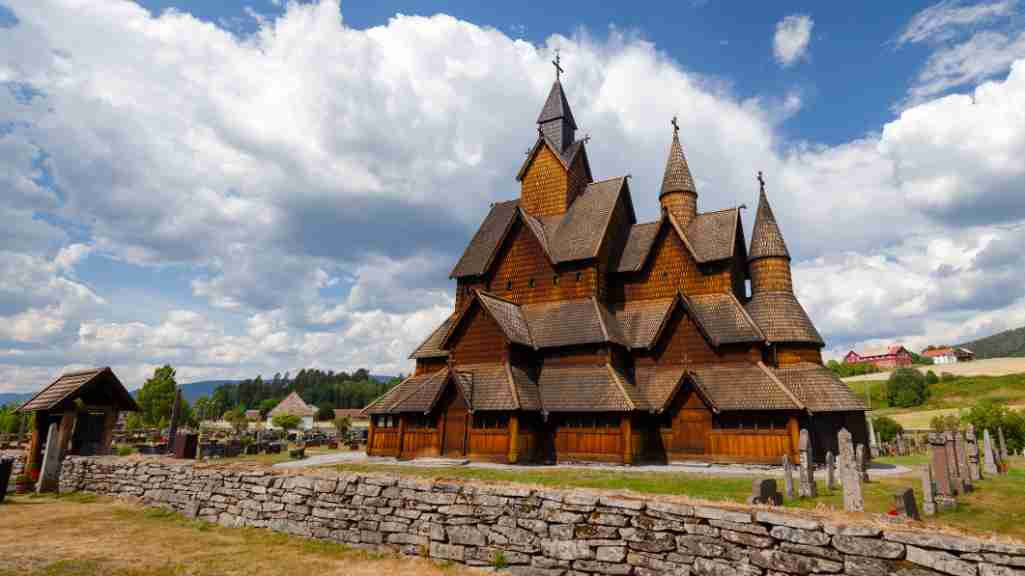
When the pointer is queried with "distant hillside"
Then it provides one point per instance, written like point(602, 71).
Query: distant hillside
point(11, 398)
point(1009, 344)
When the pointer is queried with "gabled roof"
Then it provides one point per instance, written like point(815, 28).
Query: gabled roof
point(94, 384)
point(677, 176)
point(556, 106)
point(566, 157)
point(712, 235)
point(638, 245)
point(642, 321)
point(501, 386)
point(431, 347)
point(482, 248)
point(294, 405)
point(571, 322)
point(508, 316)
point(657, 385)
point(417, 393)
point(723, 319)
point(599, 388)
point(819, 389)
point(742, 386)
point(582, 228)
point(766, 239)
point(781, 318)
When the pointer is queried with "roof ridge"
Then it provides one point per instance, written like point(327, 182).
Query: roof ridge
point(747, 316)
point(730, 209)
point(512, 385)
point(619, 384)
point(696, 318)
point(601, 319)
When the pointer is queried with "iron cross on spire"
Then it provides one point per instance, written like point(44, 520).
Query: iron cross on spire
point(676, 126)
point(761, 182)
point(558, 69)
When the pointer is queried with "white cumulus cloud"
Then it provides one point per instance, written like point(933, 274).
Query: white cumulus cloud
point(790, 42)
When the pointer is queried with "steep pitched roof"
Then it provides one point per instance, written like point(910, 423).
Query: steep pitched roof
point(638, 245)
point(509, 317)
point(781, 318)
point(658, 384)
point(582, 228)
point(766, 239)
point(712, 234)
point(587, 389)
point(481, 250)
point(723, 319)
point(501, 386)
point(742, 386)
point(677, 176)
point(556, 106)
point(294, 405)
point(431, 347)
point(571, 322)
point(72, 385)
point(566, 157)
point(642, 321)
point(819, 389)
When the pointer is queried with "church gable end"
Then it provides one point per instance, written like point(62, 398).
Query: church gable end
point(524, 274)
point(478, 339)
point(545, 185)
point(671, 267)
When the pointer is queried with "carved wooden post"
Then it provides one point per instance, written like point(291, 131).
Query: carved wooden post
point(67, 426)
point(514, 438)
point(109, 422)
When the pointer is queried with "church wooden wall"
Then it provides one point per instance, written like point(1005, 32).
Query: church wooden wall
point(429, 365)
point(588, 355)
point(771, 275)
point(478, 339)
point(682, 342)
point(578, 178)
point(545, 186)
point(670, 268)
point(522, 259)
point(789, 354)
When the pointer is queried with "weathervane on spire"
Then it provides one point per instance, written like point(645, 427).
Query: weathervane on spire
point(558, 69)
point(761, 182)
point(676, 126)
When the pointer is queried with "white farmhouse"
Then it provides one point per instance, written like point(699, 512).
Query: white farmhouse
point(295, 406)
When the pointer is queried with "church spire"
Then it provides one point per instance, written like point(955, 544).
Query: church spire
point(556, 120)
point(766, 239)
point(678, 195)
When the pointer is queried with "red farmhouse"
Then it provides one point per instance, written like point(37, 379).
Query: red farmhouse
point(896, 356)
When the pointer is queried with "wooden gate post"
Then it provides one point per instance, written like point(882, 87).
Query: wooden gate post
point(109, 422)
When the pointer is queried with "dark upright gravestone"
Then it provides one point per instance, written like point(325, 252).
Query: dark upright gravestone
point(764, 491)
point(904, 503)
point(172, 433)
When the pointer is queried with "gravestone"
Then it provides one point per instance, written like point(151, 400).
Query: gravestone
point(900, 445)
point(940, 467)
point(955, 478)
point(990, 464)
point(806, 475)
point(763, 491)
point(49, 476)
point(962, 462)
point(788, 477)
point(873, 444)
point(904, 503)
point(859, 457)
point(928, 498)
point(849, 474)
point(830, 471)
point(1003, 444)
point(172, 433)
point(972, 441)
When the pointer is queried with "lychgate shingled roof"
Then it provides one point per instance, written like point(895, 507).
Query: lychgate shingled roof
point(819, 389)
point(766, 239)
point(98, 383)
point(781, 318)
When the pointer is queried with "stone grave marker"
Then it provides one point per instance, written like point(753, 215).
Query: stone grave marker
point(873, 443)
point(51, 471)
point(850, 476)
point(806, 475)
point(904, 503)
point(948, 446)
point(859, 456)
point(830, 471)
point(972, 447)
point(900, 445)
point(788, 477)
point(172, 433)
point(944, 495)
point(987, 453)
point(960, 450)
point(764, 491)
point(928, 499)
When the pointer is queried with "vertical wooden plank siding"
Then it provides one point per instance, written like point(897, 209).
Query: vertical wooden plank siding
point(522, 259)
point(669, 268)
point(490, 444)
point(478, 339)
point(749, 446)
point(514, 436)
point(545, 187)
point(109, 422)
point(420, 442)
point(627, 432)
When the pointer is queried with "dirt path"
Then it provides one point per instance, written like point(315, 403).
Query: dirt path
point(55, 537)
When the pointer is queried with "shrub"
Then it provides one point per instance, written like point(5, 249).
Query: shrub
point(887, 427)
point(286, 422)
point(906, 388)
point(342, 425)
point(856, 369)
point(931, 378)
point(945, 423)
point(124, 450)
point(498, 560)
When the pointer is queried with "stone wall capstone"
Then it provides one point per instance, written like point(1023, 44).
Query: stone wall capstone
point(538, 532)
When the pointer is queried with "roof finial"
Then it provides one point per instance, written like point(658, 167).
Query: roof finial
point(761, 182)
point(676, 126)
point(586, 138)
point(558, 69)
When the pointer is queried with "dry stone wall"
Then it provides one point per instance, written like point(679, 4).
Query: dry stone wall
point(539, 532)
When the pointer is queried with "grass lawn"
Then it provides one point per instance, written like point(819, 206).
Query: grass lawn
point(84, 535)
point(997, 506)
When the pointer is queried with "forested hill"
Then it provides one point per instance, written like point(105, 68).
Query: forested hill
point(1010, 343)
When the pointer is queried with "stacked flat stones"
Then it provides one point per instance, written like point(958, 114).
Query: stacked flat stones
point(538, 532)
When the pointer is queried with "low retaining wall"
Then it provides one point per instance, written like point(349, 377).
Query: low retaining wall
point(539, 532)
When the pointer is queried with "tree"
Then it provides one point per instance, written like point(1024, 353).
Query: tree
point(267, 405)
point(286, 422)
point(990, 415)
point(931, 378)
point(887, 427)
point(237, 418)
point(326, 412)
point(204, 408)
point(342, 425)
point(945, 423)
point(906, 388)
point(156, 397)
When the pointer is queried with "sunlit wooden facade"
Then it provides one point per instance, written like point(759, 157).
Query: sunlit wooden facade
point(580, 334)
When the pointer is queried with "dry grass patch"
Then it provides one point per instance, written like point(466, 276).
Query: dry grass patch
point(89, 536)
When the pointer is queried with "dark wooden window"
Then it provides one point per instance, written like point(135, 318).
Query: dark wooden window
point(591, 421)
point(386, 421)
point(490, 421)
point(420, 421)
point(508, 285)
point(530, 283)
point(752, 422)
point(580, 276)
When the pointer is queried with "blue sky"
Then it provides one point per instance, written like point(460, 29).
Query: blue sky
point(251, 187)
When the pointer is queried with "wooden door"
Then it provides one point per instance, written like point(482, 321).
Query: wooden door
point(692, 423)
point(455, 413)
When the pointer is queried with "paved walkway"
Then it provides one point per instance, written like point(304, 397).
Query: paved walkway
point(355, 457)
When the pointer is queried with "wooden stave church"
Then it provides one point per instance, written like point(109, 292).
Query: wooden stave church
point(581, 335)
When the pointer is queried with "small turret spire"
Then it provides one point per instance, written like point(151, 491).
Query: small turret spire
point(556, 121)
point(677, 176)
point(766, 239)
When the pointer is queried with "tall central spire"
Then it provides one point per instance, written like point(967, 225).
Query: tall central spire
point(556, 120)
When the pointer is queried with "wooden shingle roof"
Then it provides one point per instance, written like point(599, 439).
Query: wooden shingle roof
point(556, 106)
point(509, 317)
point(431, 347)
point(481, 249)
point(571, 322)
point(638, 245)
point(742, 386)
point(94, 385)
point(711, 234)
point(819, 389)
point(658, 384)
point(642, 321)
point(723, 319)
point(781, 318)
point(599, 388)
point(766, 239)
point(677, 177)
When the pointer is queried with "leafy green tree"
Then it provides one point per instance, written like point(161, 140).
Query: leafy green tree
point(326, 412)
point(156, 397)
point(931, 378)
point(286, 422)
point(906, 388)
point(945, 423)
point(267, 405)
point(990, 415)
point(204, 408)
point(237, 418)
point(887, 427)
point(342, 425)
